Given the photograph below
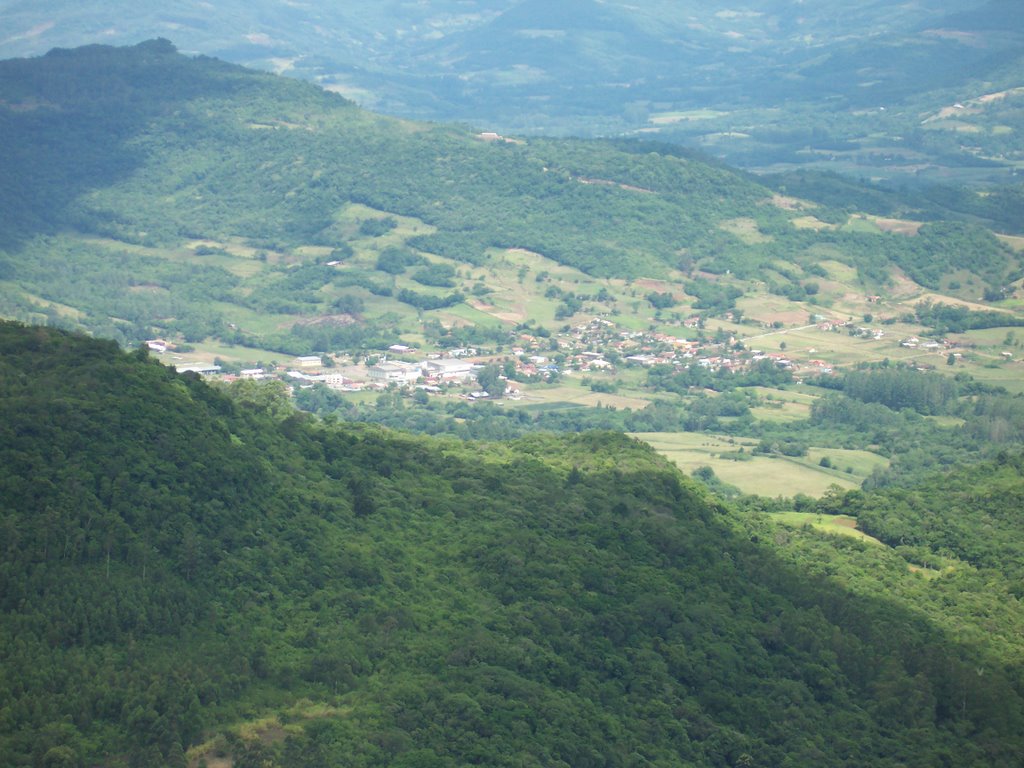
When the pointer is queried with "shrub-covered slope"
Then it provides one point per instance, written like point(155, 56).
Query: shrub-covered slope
point(149, 194)
point(177, 564)
point(198, 148)
point(973, 514)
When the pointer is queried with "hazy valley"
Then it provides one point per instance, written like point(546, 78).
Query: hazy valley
point(263, 565)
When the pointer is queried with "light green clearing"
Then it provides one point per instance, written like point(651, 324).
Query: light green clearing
point(863, 463)
point(784, 395)
point(467, 314)
point(243, 266)
point(840, 525)
point(946, 421)
point(841, 349)
point(668, 118)
point(1014, 241)
point(781, 406)
point(577, 395)
point(1008, 375)
point(355, 213)
point(61, 309)
point(859, 224)
point(746, 230)
point(786, 413)
point(994, 337)
point(363, 397)
point(207, 350)
point(762, 475)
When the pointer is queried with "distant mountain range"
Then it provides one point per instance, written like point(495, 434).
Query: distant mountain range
point(586, 67)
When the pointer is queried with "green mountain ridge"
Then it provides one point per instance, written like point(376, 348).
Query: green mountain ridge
point(154, 194)
point(183, 569)
point(768, 84)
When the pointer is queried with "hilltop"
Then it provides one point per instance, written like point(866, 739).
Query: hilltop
point(922, 91)
point(191, 577)
point(150, 193)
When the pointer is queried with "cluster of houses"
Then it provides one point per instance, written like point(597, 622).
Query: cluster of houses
point(595, 346)
point(308, 370)
point(912, 342)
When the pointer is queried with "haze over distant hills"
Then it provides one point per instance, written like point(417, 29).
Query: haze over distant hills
point(198, 574)
point(759, 83)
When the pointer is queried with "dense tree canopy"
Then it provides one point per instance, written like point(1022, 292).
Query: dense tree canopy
point(177, 561)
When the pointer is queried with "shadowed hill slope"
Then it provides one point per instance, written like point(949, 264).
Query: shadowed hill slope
point(178, 564)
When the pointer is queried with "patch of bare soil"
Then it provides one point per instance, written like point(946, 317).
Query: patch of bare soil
point(903, 287)
point(508, 316)
point(988, 98)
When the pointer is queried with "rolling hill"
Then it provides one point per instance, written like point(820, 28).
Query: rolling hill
point(770, 84)
point(150, 193)
point(190, 577)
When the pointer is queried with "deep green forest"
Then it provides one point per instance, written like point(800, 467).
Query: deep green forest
point(178, 563)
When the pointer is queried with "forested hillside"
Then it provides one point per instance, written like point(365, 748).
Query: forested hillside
point(188, 576)
point(973, 515)
point(148, 193)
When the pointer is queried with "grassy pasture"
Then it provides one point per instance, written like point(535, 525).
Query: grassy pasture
point(1014, 241)
point(1008, 375)
point(746, 230)
point(407, 226)
point(788, 412)
point(243, 266)
point(763, 475)
point(861, 224)
point(837, 347)
point(810, 222)
point(841, 525)
point(793, 395)
point(992, 337)
point(577, 396)
point(863, 463)
point(61, 309)
point(842, 273)
point(207, 350)
point(668, 118)
point(464, 314)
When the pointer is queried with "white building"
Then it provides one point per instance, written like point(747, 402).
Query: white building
point(448, 369)
point(204, 369)
point(393, 372)
point(335, 380)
